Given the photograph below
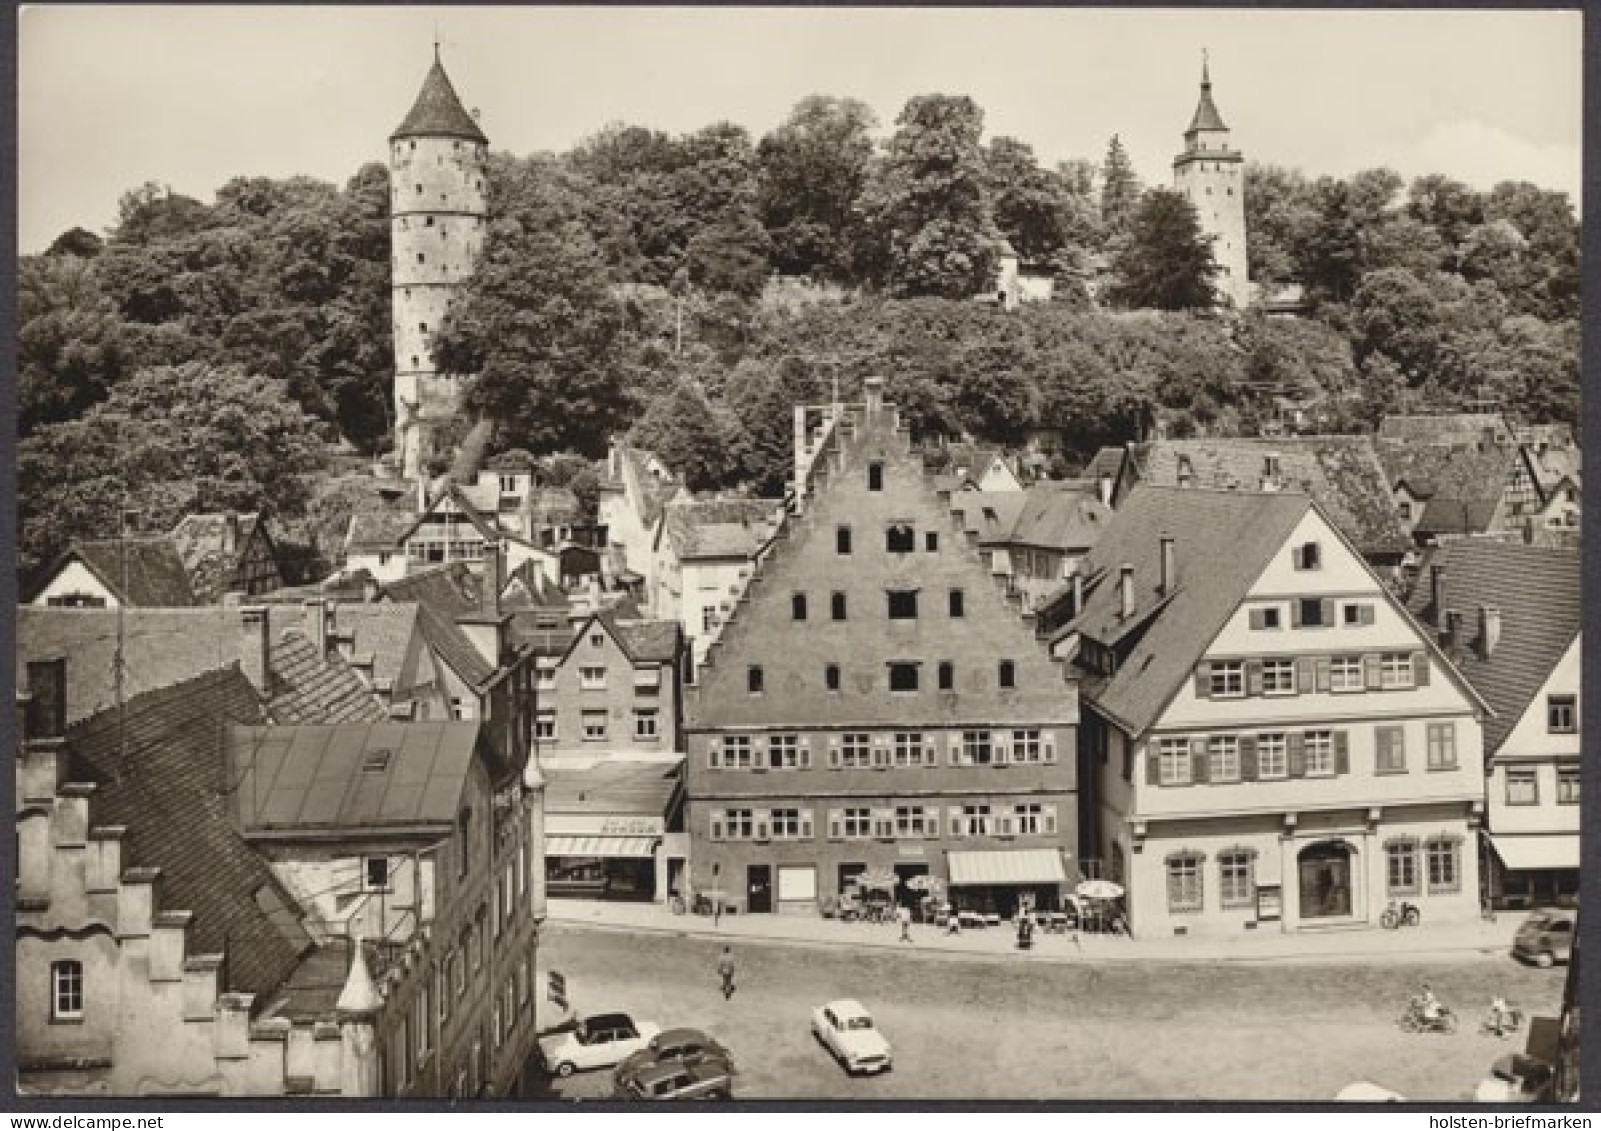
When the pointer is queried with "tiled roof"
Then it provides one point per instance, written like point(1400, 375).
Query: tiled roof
point(1449, 428)
point(1443, 515)
point(372, 531)
point(654, 494)
point(202, 541)
point(438, 112)
point(1221, 542)
point(989, 514)
point(1053, 519)
point(350, 776)
point(1448, 471)
point(1341, 472)
point(156, 575)
point(1555, 464)
point(171, 787)
point(1107, 461)
point(1206, 115)
point(652, 641)
point(1537, 590)
point(382, 630)
point(611, 787)
point(453, 646)
point(720, 528)
point(486, 525)
point(449, 590)
point(308, 688)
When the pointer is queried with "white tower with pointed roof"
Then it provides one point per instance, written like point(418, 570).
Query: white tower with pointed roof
point(1211, 176)
point(437, 179)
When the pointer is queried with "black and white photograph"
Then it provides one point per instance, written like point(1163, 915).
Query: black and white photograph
point(619, 555)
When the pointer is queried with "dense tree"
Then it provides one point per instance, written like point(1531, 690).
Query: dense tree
point(1167, 261)
point(1120, 189)
point(699, 441)
point(77, 241)
point(811, 172)
point(1033, 207)
point(1280, 211)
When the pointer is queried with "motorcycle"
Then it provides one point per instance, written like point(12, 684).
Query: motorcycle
point(1502, 1022)
point(1400, 914)
point(1417, 1020)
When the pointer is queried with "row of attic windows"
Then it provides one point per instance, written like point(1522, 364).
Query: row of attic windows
point(904, 675)
point(899, 538)
point(901, 604)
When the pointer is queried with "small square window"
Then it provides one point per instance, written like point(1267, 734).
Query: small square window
point(1312, 611)
point(903, 604)
point(1008, 673)
point(1562, 714)
point(903, 677)
point(842, 540)
point(837, 606)
point(1308, 555)
point(375, 873)
point(831, 676)
point(931, 541)
point(899, 539)
point(947, 675)
point(753, 679)
point(596, 640)
point(958, 603)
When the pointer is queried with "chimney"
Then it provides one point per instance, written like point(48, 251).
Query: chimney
point(1106, 489)
point(1078, 592)
point(873, 389)
point(1170, 569)
point(255, 645)
point(1437, 595)
point(1453, 627)
point(369, 589)
point(1125, 591)
point(230, 533)
point(1489, 630)
point(800, 455)
point(494, 578)
point(318, 615)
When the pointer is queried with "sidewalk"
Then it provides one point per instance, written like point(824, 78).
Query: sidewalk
point(1474, 941)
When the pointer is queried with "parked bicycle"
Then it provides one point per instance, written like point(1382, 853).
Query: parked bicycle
point(1400, 913)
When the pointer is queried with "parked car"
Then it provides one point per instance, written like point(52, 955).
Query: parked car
point(1367, 1092)
point(707, 1079)
point(1546, 937)
point(1517, 1079)
point(688, 1045)
point(847, 1031)
point(598, 1041)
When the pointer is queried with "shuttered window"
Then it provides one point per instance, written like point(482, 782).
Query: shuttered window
point(1442, 746)
point(1173, 761)
point(1272, 756)
point(1389, 750)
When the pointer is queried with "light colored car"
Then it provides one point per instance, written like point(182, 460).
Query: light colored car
point(1516, 1079)
point(847, 1030)
point(597, 1041)
point(1546, 937)
point(1367, 1092)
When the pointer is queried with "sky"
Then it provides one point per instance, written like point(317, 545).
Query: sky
point(112, 97)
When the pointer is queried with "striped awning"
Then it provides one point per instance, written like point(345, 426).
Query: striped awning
point(1014, 866)
point(634, 846)
point(1525, 853)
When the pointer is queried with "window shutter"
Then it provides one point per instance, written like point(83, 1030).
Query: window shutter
point(1420, 669)
point(1304, 675)
point(955, 815)
point(1295, 611)
point(1003, 823)
point(1258, 618)
point(836, 825)
point(1297, 751)
point(880, 753)
point(1153, 764)
point(1048, 749)
point(1371, 677)
point(717, 824)
point(1203, 680)
point(1321, 666)
point(1001, 752)
point(1342, 753)
point(1247, 757)
point(1329, 611)
point(804, 759)
point(713, 751)
point(1198, 759)
point(806, 824)
point(1048, 819)
point(1366, 614)
point(833, 754)
point(1253, 677)
point(763, 823)
point(956, 750)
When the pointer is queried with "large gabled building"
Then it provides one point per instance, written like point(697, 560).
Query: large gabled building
point(1270, 740)
point(874, 701)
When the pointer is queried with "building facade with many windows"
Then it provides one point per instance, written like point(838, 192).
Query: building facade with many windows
point(1273, 740)
point(875, 702)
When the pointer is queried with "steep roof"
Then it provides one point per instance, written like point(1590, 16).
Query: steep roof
point(380, 530)
point(172, 790)
point(1055, 519)
point(645, 641)
point(1448, 471)
point(376, 631)
point(450, 590)
point(1537, 590)
point(155, 570)
point(1106, 461)
point(487, 526)
point(1443, 515)
point(438, 112)
point(1342, 473)
point(1445, 427)
point(350, 777)
point(452, 645)
point(611, 787)
point(1222, 540)
point(210, 553)
point(308, 688)
point(989, 514)
point(1206, 115)
point(719, 528)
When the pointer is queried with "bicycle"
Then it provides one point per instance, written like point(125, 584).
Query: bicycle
point(1400, 914)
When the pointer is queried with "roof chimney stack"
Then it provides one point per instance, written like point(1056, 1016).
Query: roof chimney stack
point(255, 645)
point(1106, 489)
point(1489, 630)
point(1170, 569)
point(873, 389)
point(1437, 595)
point(1078, 592)
point(1125, 592)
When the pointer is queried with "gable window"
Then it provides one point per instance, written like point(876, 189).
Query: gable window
point(958, 603)
point(594, 726)
point(753, 679)
point(947, 675)
point(1272, 759)
point(66, 990)
point(1184, 891)
point(1445, 865)
point(1345, 673)
point(1228, 679)
point(592, 678)
point(1308, 555)
point(1173, 761)
point(903, 604)
point(545, 725)
point(836, 605)
point(1401, 866)
point(1395, 671)
point(899, 539)
point(597, 639)
point(1223, 758)
point(842, 540)
point(375, 873)
point(1356, 614)
point(708, 619)
point(645, 727)
point(1278, 677)
point(1522, 786)
point(797, 606)
point(931, 541)
point(1312, 610)
point(831, 676)
point(875, 476)
point(1236, 877)
point(1389, 750)
point(1007, 673)
point(1442, 746)
point(1568, 778)
point(1268, 617)
point(903, 677)
point(1562, 714)
point(545, 675)
point(1405, 509)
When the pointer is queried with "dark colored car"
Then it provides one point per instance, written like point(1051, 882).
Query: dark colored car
point(1517, 1079)
point(690, 1046)
point(1546, 937)
point(707, 1079)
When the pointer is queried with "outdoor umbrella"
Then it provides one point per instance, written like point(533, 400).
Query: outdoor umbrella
point(933, 885)
point(1098, 889)
point(878, 880)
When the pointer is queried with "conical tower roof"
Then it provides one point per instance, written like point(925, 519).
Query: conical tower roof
point(438, 112)
point(1206, 115)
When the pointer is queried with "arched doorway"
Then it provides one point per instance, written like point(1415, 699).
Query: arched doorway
point(1325, 875)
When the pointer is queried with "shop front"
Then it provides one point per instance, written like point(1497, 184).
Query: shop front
point(1001, 881)
point(1534, 870)
point(606, 831)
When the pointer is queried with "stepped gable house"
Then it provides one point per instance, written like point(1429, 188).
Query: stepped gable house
point(875, 702)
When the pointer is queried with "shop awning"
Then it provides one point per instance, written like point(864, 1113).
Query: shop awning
point(1526, 853)
point(635, 846)
point(1016, 866)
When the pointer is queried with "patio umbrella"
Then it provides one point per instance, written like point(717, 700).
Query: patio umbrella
point(1098, 889)
point(933, 885)
point(878, 881)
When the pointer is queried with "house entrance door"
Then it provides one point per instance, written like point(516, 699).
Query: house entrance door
point(1325, 873)
point(758, 888)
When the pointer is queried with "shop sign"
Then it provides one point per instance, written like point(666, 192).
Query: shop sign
point(631, 826)
point(1269, 903)
point(912, 850)
point(602, 824)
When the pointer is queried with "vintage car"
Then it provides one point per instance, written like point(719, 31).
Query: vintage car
point(707, 1079)
point(597, 1041)
point(688, 1045)
point(847, 1031)
point(1545, 938)
point(1517, 1079)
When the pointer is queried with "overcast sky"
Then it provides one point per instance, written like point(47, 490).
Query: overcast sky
point(112, 97)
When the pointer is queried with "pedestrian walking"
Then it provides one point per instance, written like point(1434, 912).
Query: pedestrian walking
point(717, 911)
point(725, 970)
point(905, 916)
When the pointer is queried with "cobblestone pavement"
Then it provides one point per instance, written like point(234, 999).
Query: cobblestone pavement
point(976, 1025)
